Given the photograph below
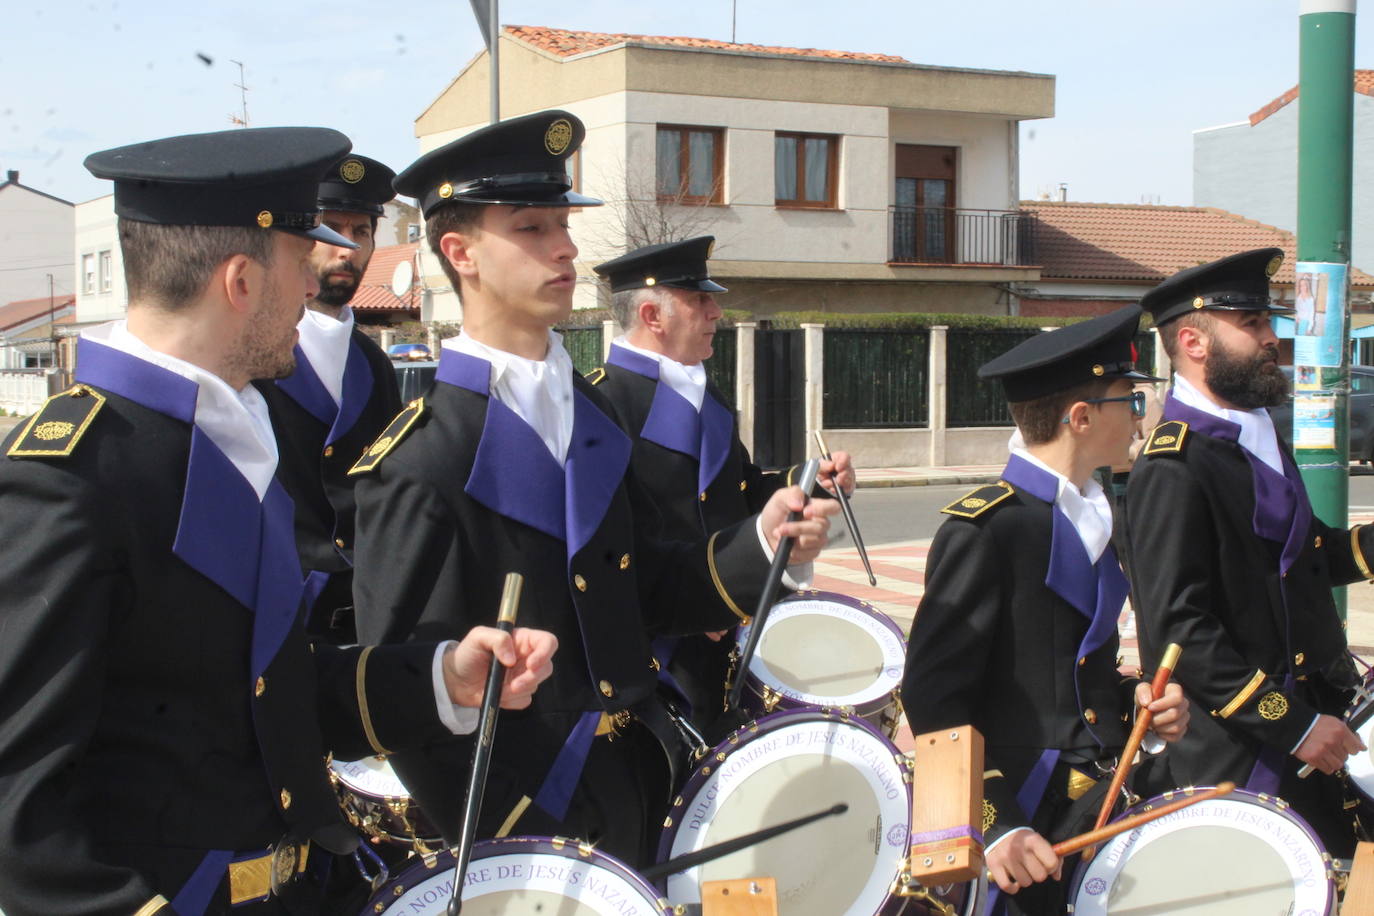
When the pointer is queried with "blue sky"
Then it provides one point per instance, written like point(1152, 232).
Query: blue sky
point(1134, 78)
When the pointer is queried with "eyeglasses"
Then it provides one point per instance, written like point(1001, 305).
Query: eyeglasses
point(1136, 399)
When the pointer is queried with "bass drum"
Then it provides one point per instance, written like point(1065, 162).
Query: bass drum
point(1238, 855)
point(788, 765)
point(824, 650)
point(521, 875)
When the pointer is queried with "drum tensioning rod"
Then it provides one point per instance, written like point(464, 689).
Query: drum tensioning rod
point(716, 850)
point(481, 753)
point(770, 588)
point(848, 511)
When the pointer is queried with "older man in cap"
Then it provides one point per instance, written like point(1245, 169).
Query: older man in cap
point(1228, 560)
point(687, 450)
point(341, 395)
point(163, 720)
point(513, 463)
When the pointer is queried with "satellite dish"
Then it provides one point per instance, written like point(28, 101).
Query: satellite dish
point(402, 278)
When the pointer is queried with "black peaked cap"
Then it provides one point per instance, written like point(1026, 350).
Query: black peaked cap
point(677, 264)
point(357, 184)
point(1238, 282)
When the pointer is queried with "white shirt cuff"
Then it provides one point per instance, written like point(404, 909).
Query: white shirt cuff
point(795, 577)
point(1295, 747)
point(461, 720)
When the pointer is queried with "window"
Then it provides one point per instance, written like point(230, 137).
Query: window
point(804, 169)
point(88, 273)
point(106, 267)
point(690, 164)
point(41, 359)
point(923, 215)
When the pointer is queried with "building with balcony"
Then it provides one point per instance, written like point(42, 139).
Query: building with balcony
point(833, 181)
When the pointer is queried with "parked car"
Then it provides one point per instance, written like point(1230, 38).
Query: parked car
point(414, 378)
point(408, 351)
point(1361, 413)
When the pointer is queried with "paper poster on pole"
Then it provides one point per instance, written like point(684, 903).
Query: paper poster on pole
point(1319, 322)
point(1314, 421)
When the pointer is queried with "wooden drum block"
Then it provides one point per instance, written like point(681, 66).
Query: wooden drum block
point(947, 807)
point(740, 897)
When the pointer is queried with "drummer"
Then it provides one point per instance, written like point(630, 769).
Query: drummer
point(1016, 633)
point(687, 450)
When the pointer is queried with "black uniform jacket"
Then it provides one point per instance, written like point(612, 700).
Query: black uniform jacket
point(691, 462)
point(997, 644)
point(158, 698)
point(471, 493)
point(319, 442)
point(1250, 611)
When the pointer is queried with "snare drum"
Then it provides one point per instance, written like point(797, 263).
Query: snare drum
point(377, 803)
point(788, 765)
point(820, 649)
point(1238, 855)
point(521, 875)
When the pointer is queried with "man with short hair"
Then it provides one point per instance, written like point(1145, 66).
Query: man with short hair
point(1228, 560)
point(1016, 631)
point(687, 450)
point(512, 462)
point(163, 719)
point(342, 394)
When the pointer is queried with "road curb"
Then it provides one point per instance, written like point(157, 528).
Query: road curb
point(951, 479)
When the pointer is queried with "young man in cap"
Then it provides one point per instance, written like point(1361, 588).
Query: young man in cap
point(513, 462)
point(1228, 560)
point(687, 450)
point(163, 720)
point(1016, 632)
point(340, 397)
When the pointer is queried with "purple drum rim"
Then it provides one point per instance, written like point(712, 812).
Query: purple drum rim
point(529, 845)
point(754, 686)
point(1268, 802)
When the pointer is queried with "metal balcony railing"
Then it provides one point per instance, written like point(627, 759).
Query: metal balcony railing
point(947, 235)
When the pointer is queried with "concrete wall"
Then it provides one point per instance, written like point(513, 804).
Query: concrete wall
point(35, 241)
point(766, 297)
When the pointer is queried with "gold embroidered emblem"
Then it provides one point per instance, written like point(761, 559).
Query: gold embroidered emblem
point(446, 190)
point(380, 446)
point(352, 171)
point(989, 815)
point(1199, 302)
point(974, 502)
point(1273, 266)
point(53, 429)
point(395, 431)
point(558, 137)
point(1166, 440)
point(1273, 706)
point(265, 219)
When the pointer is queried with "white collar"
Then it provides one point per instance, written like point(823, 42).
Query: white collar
point(324, 341)
point(1257, 433)
point(688, 381)
point(1087, 509)
point(236, 421)
point(538, 390)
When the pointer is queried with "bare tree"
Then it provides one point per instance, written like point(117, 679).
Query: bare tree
point(644, 216)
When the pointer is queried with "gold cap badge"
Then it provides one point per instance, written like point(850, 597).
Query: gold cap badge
point(265, 219)
point(1273, 266)
point(650, 281)
point(352, 171)
point(1199, 302)
point(446, 190)
point(558, 136)
point(1098, 370)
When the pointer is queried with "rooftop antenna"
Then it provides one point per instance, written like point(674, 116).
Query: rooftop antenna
point(240, 119)
point(734, 5)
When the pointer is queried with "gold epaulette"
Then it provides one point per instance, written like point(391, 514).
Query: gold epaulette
point(975, 503)
point(596, 375)
point(1166, 438)
point(60, 423)
point(391, 437)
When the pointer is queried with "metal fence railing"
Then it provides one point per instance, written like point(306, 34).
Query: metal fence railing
point(970, 401)
point(584, 346)
point(720, 368)
point(946, 235)
point(875, 378)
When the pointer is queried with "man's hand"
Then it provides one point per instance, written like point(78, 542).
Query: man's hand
point(1328, 744)
point(527, 655)
point(1021, 859)
point(838, 468)
point(809, 534)
point(1169, 713)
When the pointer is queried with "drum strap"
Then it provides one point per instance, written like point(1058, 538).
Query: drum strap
point(1028, 799)
point(556, 793)
point(195, 894)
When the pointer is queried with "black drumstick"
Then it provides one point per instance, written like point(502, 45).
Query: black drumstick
point(848, 513)
point(481, 754)
point(716, 850)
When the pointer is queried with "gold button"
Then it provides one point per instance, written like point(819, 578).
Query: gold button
point(1299, 658)
point(1318, 541)
point(625, 561)
point(1090, 717)
point(653, 663)
point(703, 496)
point(339, 542)
point(1082, 661)
point(580, 582)
point(285, 799)
point(743, 485)
point(260, 687)
point(606, 689)
point(329, 451)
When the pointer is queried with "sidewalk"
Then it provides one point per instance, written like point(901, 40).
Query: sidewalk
point(972, 474)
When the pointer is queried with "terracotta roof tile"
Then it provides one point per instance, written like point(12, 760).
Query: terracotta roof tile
point(374, 293)
point(22, 310)
point(1145, 243)
point(1364, 85)
point(566, 43)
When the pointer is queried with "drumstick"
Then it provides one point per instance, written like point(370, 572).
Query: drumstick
point(1093, 837)
point(770, 587)
point(848, 513)
point(481, 753)
point(724, 848)
point(1142, 724)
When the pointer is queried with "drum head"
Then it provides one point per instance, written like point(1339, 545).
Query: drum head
point(1241, 855)
point(526, 875)
point(783, 767)
point(371, 776)
point(824, 649)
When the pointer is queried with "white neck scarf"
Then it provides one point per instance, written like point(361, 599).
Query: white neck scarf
point(1257, 433)
point(1087, 509)
point(324, 340)
point(688, 381)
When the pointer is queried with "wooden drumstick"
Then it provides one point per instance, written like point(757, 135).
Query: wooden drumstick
point(1142, 724)
point(1093, 837)
point(848, 511)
